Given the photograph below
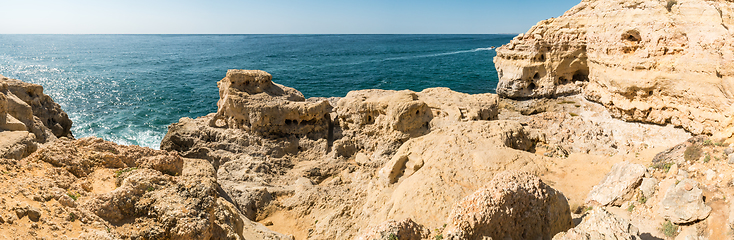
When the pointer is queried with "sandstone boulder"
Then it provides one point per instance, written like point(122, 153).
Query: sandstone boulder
point(617, 185)
point(391, 229)
point(683, 203)
point(648, 187)
point(646, 61)
point(513, 205)
point(598, 224)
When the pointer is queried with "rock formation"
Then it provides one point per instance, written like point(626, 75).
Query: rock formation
point(617, 185)
point(93, 189)
point(601, 225)
point(511, 206)
point(28, 117)
point(662, 62)
point(27, 108)
point(405, 144)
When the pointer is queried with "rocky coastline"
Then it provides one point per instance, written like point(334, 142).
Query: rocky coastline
point(613, 121)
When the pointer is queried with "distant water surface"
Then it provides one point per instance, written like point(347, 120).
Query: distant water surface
point(129, 88)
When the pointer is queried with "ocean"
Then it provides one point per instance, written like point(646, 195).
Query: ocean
point(129, 88)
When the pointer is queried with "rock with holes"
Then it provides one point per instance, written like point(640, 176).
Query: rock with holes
point(391, 229)
point(24, 107)
point(513, 205)
point(662, 62)
point(618, 185)
point(684, 203)
point(249, 100)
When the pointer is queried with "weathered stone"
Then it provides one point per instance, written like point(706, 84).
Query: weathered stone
point(39, 114)
point(617, 185)
point(249, 100)
point(683, 203)
point(648, 187)
point(537, 210)
point(34, 214)
point(637, 58)
point(599, 224)
point(391, 229)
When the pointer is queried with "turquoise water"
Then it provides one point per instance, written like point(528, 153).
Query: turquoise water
point(129, 88)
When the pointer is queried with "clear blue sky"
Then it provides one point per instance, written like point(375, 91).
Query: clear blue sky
point(276, 16)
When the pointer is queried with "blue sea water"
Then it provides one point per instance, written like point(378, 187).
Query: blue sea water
point(129, 88)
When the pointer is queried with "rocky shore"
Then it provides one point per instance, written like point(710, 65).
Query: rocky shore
point(612, 121)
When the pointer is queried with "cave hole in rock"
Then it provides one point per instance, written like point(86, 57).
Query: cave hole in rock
point(532, 86)
point(536, 76)
point(580, 76)
point(632, 36)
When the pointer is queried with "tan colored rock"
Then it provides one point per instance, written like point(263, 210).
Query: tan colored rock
point(119, 192)
point(40, 115)
point(17, 144)
point(601, 225)
point(684, 203)
point(249, 100)
point(391, 229)
point(618, 185)
point(642, 60)
point(513, 205)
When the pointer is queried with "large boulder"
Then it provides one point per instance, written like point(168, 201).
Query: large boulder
point(598, 224)
point(662, 62)
point(617, 185)
point(684, 203)
point(514, 205)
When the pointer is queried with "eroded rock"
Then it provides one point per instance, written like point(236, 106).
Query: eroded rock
point(643, 60)
point(599, 224)
point(617, 185)
point(683, 203)
point(513, 205)
point(391, 229)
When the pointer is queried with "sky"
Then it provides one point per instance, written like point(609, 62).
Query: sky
point(276, 16)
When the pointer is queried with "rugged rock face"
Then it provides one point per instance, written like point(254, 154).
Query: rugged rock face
point(513, 205)
point(24, 107)
point(601, 225)
point(93, 189)
point(357, 165)
point(662, 62)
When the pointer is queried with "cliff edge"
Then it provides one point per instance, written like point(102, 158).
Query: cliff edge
point(661, 62)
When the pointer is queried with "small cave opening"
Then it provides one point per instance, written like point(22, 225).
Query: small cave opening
point(532, 86)
point(536, 76)
point(632, 36)
point(541, 57)
point(580, 76)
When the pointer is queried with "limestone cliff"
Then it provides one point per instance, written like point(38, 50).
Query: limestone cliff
point(662, 62)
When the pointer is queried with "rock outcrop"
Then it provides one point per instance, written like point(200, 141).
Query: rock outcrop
point(512, 206)
point(662, 62)
point(28, 117)
point(405, 144)
point(25, 107)
point(93, 189)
